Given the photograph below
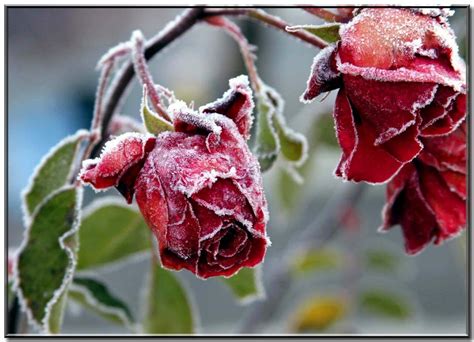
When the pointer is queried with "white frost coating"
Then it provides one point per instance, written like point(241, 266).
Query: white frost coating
point(114, 53)
point(287, 131)
point(224, 212)
point(69, 272)
point(434, 11)
point(446, 37)
point(241, 84)
point(401, 75)
point(210, 235)
point(106, 201)
point(79, 135)
point(391, 132)
point(293, 173)
point(423, 103)
point(91, 300)
point(321, 69)
point(182, 112)
point(111, 147)
point(296, 28)
point(201, 180)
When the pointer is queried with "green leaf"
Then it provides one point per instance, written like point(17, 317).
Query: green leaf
point(317, 260)
point(327, 32)
point(53, 172)
point(267, 145)
point(153, 122)
point(319, 313)
point(168, 308)
point(95, 296)
point(381, 260)
point(386, 304)
point(273, 136)
point(55, 320)
point(288, 191)
point(325, 132)
point(245, 285)
point(47, 257)
point(111, 231)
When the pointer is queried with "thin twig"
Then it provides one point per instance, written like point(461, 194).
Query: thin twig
point(323, 14)
point(314, 236)
point(271, 20)
point(245, 48)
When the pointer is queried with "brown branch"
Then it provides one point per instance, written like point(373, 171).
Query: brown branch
point(266, 18)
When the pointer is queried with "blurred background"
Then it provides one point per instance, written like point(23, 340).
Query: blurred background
point(361, 280)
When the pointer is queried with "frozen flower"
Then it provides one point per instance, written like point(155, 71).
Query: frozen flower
point(199, 188)
point(400, 80)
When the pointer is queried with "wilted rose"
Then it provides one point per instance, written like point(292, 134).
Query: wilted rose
point(400, 78)
point(428, 196)
point(199, 188)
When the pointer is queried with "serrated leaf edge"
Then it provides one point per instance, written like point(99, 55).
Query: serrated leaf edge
point(104, 308)
point(43, 325)
point(80, 134)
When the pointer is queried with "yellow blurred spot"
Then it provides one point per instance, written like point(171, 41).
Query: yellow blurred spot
point(319, 313)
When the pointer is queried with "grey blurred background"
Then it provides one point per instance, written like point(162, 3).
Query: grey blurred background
point(52, 53)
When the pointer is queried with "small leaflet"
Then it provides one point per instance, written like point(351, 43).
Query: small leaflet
point(153, 123)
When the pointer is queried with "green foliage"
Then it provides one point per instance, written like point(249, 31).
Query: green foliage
point(95, 296)
point(273, 136)
point(245, 285)
point(168, 308)
point(153, 123)
point(46, 259)
point(385, 304)
point(317, 260)
point(327, 32)
point(53, 172)
point(110, 232)
point(381, 260)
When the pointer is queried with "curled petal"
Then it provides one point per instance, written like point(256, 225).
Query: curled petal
point(119, 163)
point(237, 104)
point(324, 75)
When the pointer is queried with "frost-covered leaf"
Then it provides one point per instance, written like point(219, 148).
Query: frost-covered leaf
point(327, 32)
point(53, 172)
point(273, 134)
point(95, 296)
point(246, 285)
point(110, 231)
point(267, 144)
point(381, 260)
point(317, 260)
point(324, 132)
point(47, 258)
point(153, 123)
point(168, 308)
point(385, 304)
point(319, 313)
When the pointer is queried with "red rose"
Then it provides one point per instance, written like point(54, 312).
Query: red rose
point(428, 196)
point(400, 80)
point(199, 188)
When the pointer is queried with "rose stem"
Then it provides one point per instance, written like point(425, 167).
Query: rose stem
point(143, 73)
point(324, 14)
point(245, 48)
point(271, 20)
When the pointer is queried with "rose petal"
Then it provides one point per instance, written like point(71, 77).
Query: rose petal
point(456, 182)
point(237, 104)
point(449, 209)
point(225, 199)
point(390, 107)
point(324, 75)
point(360, 160)
point(119, 163)
point(439, 107)
point(394, 188)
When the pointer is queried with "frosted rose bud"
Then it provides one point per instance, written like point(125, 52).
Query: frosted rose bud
point(428, 196)
point(400, 79)
point(199, 188)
